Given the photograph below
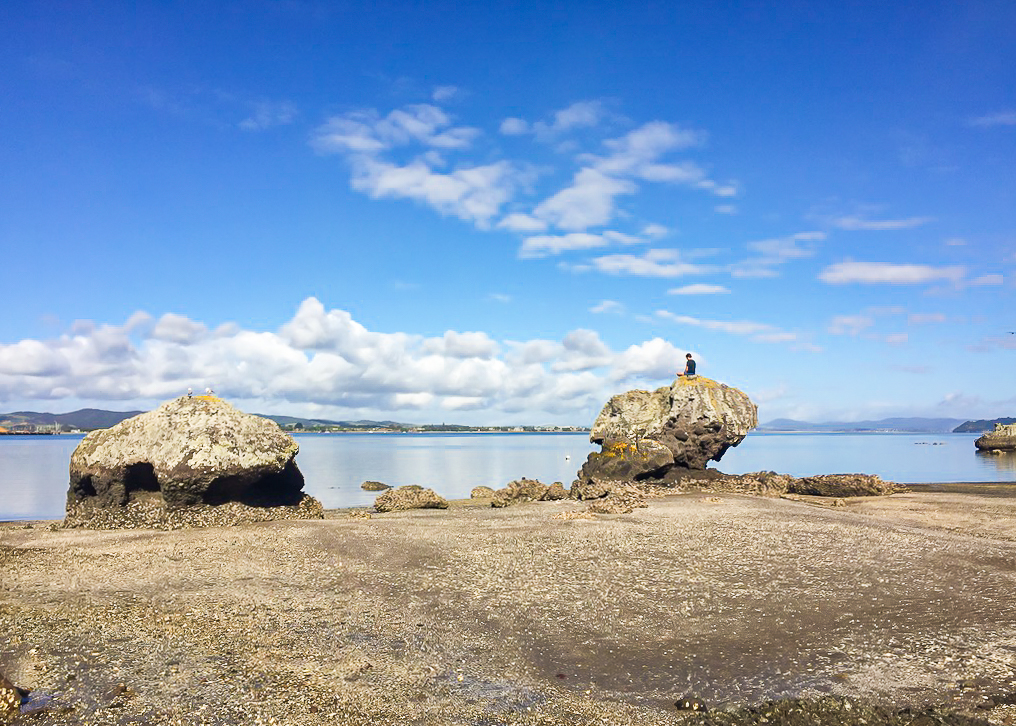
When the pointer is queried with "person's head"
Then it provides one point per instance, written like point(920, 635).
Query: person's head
point(688, 356)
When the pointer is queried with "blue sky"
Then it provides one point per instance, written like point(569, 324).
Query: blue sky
point(506, 213)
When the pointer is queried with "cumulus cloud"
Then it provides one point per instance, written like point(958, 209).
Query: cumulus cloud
point(887, 273)
point(325, 358)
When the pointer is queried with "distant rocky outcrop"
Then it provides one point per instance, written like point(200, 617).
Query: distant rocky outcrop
point(187, 455)
point(1003, 438)
point(656, 436)
point(374, 486)
point(409, 497)
point(481, 492)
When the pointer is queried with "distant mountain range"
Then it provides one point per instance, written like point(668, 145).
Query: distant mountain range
point(907, 425)
point(87, 419)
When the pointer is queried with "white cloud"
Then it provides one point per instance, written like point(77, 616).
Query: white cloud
point(886, 273)
point(546, 245)
point(517, 222)
point(923, 318)
point(897, 338)
point(588, 202)
point(444, 93)
point(993, 279)
point(850, 324)
point(653, 263)
point(1002, 118)
point(729, 209)
point(475, 194)
point(500, 297)
point(755, 331)
point(855, 223)
point(607, 306)
point(770, 253)
point(365, 132)
point(267, 114)
point(655, 231)
point(323, 358)
point(178, 329)
point(698, 289)
point(514, 127)
point(740, 327)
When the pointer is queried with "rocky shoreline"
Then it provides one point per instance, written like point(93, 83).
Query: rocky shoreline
point(882, 610)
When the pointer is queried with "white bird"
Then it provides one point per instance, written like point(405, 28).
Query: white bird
point(209, 392)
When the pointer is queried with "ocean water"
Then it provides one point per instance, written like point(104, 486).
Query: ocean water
point(34, 469)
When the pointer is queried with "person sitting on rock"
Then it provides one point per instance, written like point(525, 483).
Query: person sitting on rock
point(689, 368)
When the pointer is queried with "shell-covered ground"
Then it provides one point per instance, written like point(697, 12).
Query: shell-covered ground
point(525, 615)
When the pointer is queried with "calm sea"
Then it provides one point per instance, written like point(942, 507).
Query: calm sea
point(33, 469)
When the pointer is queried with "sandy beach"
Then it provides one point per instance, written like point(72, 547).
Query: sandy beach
point(526, 615)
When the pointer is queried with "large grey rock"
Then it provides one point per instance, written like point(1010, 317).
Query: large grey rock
point(696, 419)
point(1003, 438)
point(654, 437)
point(189, 452)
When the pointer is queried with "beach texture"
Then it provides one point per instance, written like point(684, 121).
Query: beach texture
point(533, 614)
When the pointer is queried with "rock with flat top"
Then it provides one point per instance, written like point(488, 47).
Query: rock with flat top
point(654, 437)
point(696, 419)
point(189, 452)
point(409, 497)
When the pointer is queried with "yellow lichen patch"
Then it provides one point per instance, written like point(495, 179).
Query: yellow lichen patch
point(701, 381)
point(207, 398)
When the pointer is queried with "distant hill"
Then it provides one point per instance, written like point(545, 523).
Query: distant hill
point(980, 426)
point(311, 422)
point(905, 425)
point(86, 419)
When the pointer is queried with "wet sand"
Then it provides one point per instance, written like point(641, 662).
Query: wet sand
point(520, 616)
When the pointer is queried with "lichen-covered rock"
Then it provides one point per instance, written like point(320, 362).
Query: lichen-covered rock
point(409, 497)
point(10, 697)
point(555, 492)
point(697, 419)
point(189, 452)
point(481, 493)
point(653, 437)
point(374, 486)
point(627, 461)
point(1003, 438)
point(519, 491)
